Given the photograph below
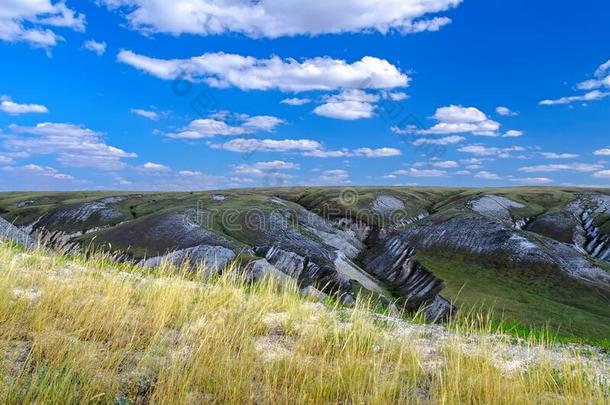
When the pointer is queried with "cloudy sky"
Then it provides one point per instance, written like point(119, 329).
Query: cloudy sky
point(149, 95)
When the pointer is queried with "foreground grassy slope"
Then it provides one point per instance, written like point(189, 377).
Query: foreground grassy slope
point(75, 331)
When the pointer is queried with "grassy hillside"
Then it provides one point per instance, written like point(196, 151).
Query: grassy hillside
point(76, 331)
point(535, 300)
point(529, 297)
point(538, 199)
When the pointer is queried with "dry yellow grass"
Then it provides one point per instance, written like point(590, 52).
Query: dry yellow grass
point(76, 331)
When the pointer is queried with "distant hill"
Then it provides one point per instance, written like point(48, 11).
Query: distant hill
point(537, 256)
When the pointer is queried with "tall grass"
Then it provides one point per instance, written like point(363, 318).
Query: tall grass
point(90, 331)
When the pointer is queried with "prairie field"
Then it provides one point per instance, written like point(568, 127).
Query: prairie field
point(76, 330)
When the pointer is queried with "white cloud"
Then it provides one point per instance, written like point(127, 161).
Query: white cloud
point(345, 110)
point(447, 140)
point(74, 145)
point(414, 172)
point(602, 152)
point(189, 173)
point(601, 78)
point(334, 177)
point(576, 167)
point(265, 169)
point(590, 96)
point(153, 167)
point(352, 104)
point(296, 101)
point(244, 145)
point(602, 174)
point(553, 155)
point(532, 180)
point(151, 115)
point(277, 18)
point(485, 175)
point(456, 119)
point(447, 164)
point(475, 161)
point(398, 96)
point(505, 111)
point(41, 171)
point(248, 73)
point(360, 152)
point(377, 153)
point(28, 21)
point(96, 47)
point(480, 150)
point(184, 180)
point(218, 125)
point(122, 181)
point(10, 107)
point(512, 133)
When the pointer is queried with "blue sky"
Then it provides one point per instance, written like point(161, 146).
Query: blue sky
point(142, 95)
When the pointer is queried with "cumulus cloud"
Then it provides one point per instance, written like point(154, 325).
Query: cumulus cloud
point(295, 101)
point(590, 96)
point(227, 124)
point(184, 180)
point(29, 21)
point(447, 164)
point(447, 140)
point(245, 145)
point(600, 80)
point(266, 169)
point(289, 75)
point(512, 134)
point(98, 48)
point(505, 111)
point(360, 152)
point(6, 160)
point(74, 145)
point(151, 115)
point(306, 147)
point(32, 177)
point(153, 167)
point(12, 108)
point(40, 171)
point(485, 175)
point(396, 96)
point(414, 172)
point(277, 18)
point(349, 105)
point(334, 177)
point(532, 180)
point(602, 152)
point(575, 167)
point(553, 155)
point(602, 174)
point(456, 119)
point(481, 150)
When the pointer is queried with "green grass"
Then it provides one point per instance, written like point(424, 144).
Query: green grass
point(524, 300)
point(603, 223)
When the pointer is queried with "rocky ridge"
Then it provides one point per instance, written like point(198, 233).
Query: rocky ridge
point(273, 234)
